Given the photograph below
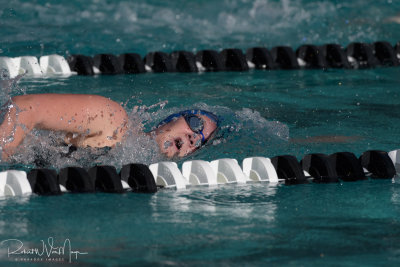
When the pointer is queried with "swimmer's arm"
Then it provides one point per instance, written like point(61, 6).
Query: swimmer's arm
point(102, 120)
point(98, 120)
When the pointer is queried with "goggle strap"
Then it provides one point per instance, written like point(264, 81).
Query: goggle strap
point(202, 137)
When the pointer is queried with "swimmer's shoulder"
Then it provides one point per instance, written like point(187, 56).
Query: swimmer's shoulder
point(71, 99)
point(72, 103)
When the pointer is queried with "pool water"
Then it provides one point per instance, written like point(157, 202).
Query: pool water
point(264, 113)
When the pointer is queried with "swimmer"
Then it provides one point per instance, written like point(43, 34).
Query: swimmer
point(96, 121)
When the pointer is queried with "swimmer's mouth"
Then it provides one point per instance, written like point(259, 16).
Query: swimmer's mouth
point(178, 143)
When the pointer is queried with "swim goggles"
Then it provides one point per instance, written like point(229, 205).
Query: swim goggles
point(195, 123)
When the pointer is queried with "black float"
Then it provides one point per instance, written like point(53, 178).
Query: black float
point(287, 167)
point(234, 60)
point(312, 56)
point(159, 62)
point(132, 63)
point(363, 55)
point(320, 167)
point(347, 166)
point(210, 59)
point(335, 56)
point(284, 57)
point(385, 53)
point(260, 57)
point(44, 182)
point(83, 65)
point(397, 51)
point(139, 178)
point(378, 163)
point(106, 179)
point(76, 180)
point(184, 61)
point(107, 64)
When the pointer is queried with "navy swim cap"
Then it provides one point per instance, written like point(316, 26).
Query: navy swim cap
point(210, 115)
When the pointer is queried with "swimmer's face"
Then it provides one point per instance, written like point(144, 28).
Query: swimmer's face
point(177, 139)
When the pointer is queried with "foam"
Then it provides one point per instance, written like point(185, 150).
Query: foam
point(44, 148)
point(260, 124)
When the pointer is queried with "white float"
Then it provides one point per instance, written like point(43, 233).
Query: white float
point(11, 65)
point(199, 172)
point(228, 171)
point(168, 175)
point(54, 64)
point(14, 183)
point(395, 157)
point(259, 169)
point(30, 66)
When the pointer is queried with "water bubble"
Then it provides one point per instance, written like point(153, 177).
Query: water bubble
point(198, 143)
point(167, 144)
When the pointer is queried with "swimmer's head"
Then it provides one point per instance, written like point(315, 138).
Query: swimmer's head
point(182, 133)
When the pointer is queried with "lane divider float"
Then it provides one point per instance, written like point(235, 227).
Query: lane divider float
point(140, 178)
point(356, 56)
point(30, 66)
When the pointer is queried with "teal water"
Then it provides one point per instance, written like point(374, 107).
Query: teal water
point(307, 225)
point(265, 113)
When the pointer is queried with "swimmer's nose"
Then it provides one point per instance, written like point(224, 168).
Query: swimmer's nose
point(191, 141)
